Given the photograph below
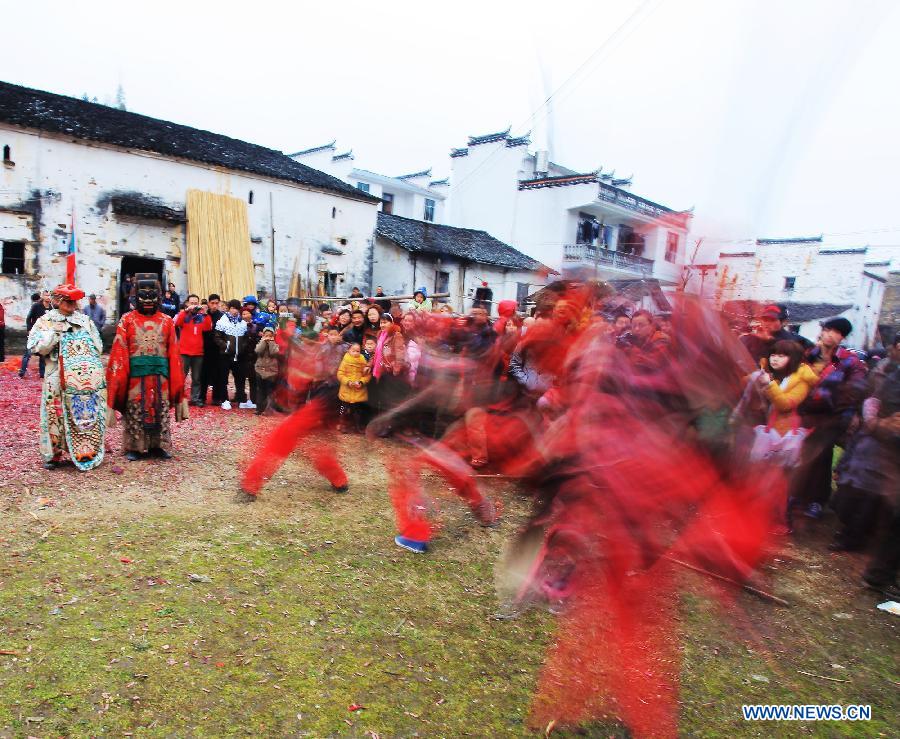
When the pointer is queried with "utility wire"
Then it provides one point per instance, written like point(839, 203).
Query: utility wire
point(628, 26)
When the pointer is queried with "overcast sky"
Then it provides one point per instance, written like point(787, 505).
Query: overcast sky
point(770, 118)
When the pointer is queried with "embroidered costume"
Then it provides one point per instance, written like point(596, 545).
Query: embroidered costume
point(144, 374)
point(73, 395)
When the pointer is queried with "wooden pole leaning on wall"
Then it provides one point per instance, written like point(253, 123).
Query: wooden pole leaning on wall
point(218, 245)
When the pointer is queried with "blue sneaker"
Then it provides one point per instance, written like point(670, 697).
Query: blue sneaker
point(813, 510)
point(419, 547)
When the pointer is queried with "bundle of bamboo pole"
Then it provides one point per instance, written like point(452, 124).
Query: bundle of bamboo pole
point(218, 246)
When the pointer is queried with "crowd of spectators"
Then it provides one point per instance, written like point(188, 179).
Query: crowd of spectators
point(366, 356)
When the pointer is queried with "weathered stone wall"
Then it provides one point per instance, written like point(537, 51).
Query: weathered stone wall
point(53, 178)
point(821, 275)
point(890, 307)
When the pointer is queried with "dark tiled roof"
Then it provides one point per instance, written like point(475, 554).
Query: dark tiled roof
point(413, 175)
point(873, 276)
point(438, 183)
point(623, 181)
point(45, 111)
point(797, 240)
point(559, 181)
point(138, 205)
point(796, 312)
point(314, 149)
point(345, 155)
point(801, 312)
point(459, 152)
point(463, 243)
point(726, 254)
point(862, 250)
point(489, 138)
point(519, 140)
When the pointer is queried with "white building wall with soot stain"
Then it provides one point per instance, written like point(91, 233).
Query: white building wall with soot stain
point(50, 177)
point(805, 273)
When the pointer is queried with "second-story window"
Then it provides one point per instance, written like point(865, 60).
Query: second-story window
point(789, 283)
point(429, 210)
point(672, 247)
point(387, 205)
point(364, 186)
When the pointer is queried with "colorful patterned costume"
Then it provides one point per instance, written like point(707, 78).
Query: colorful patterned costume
point(145, 379)
point(73, 396)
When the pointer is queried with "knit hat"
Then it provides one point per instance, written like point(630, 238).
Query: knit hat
point(270, 329)
point(839, 324)
point(421, 290)
point(251, 299)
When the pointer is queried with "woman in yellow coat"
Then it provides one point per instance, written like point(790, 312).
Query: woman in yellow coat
point(353, 377)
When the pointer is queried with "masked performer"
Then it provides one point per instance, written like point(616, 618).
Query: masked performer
point(144, 375)
point(73, 399)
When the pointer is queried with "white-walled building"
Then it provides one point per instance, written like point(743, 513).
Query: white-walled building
point(466, 263)
point(123, 177)
point(584, 224)
point(415, 195)
point(812, 281)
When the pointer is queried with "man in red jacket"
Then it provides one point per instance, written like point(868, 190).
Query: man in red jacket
point(193, 322)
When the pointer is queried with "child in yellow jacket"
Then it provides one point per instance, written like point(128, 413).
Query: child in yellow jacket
point(353, 378)
point(786, 384)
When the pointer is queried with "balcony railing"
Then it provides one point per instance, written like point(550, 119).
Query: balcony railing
point(602, 257)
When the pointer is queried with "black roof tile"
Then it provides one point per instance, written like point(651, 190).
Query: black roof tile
point(794, 240)
point(413, 175)
point(796, 312)
point(489, 138)
point(463, 243)
point(138, 205)
point(46, 111)
point(314, 149)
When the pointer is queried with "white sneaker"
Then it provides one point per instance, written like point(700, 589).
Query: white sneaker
point(226, 406)
point(249, 405)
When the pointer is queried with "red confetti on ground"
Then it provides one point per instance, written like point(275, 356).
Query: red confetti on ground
point(355, 707)
point(125, 561)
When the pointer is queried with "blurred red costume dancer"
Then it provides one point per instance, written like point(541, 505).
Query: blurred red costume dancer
point(315, 415)
point(624, 489)
point(506, 432)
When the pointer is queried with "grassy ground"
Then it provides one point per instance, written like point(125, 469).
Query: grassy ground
point(310, 609)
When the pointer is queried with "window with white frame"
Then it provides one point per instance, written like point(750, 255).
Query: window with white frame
point(429, 210)
point(364, 186)
point(672, 247)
